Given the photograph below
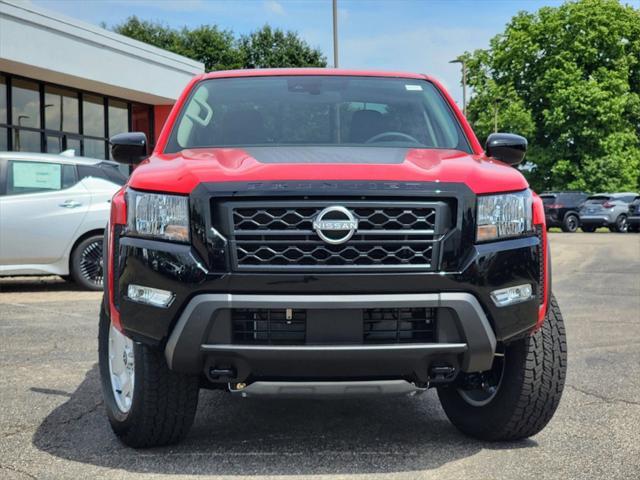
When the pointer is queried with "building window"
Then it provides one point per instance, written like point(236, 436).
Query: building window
point(61, 110)
point(25, 103)
point(26, 140)
point(40, 117)
point(93, 115)
point(94, 148)
point(118, 117)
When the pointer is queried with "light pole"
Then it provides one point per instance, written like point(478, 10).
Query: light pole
point(335, 33)
point(464, 83)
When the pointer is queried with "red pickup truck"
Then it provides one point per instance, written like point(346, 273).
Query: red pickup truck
point(321, 232)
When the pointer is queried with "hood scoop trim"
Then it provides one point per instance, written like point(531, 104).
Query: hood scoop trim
point(336, 155)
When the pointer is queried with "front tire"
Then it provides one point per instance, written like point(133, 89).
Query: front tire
point(531, 381)
point(147, 404)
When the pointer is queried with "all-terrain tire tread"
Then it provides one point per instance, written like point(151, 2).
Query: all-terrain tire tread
point(165, 402)
point(533, 393)
point(543, 379)
point(169, 404)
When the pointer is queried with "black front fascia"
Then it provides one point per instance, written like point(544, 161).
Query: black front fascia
point(204, 267)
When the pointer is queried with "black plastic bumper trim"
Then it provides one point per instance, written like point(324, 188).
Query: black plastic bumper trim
point(186, 346)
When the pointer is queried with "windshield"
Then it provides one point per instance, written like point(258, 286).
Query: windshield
point(316, 110)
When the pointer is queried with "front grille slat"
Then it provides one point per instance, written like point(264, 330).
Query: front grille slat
point(279, 235)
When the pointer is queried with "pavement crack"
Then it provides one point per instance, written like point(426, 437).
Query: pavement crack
point(17, 470)
point(602, 397)
point(17, 431)
point(80, 415)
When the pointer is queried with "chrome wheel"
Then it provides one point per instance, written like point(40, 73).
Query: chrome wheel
point(485, 386)
point(121, 369)
point(91, 263)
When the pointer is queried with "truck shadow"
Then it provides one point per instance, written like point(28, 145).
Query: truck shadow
point(35, 284)
point(234, 436)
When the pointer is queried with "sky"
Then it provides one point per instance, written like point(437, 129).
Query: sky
point(401, 35)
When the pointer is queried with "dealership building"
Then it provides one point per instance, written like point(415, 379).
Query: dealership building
point(66, 84)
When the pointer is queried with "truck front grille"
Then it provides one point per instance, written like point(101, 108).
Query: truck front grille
point(281, 235)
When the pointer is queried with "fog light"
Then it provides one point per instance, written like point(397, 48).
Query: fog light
point(511, 295)
point(150, 296)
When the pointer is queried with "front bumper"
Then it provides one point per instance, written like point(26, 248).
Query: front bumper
point(206, 285)
point(202, 337)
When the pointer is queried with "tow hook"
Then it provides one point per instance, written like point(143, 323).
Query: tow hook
point(218, 374)
point(441, 374)
point(238, 388)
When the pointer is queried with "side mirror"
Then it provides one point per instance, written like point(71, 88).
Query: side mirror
point(506, 147)
point(129, 148)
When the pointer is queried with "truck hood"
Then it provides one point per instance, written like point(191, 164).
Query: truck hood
point(182, 172)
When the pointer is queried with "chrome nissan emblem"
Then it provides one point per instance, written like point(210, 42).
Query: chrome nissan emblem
point(335, 225)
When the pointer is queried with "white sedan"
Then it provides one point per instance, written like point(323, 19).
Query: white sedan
point(53, 212)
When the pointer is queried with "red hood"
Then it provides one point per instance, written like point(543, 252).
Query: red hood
point(182, 172)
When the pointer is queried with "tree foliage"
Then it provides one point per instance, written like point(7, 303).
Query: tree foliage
point(269, 48)
point(221, 50)
point(568, 78)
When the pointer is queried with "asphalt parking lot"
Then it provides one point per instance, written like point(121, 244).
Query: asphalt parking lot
point(52, 423)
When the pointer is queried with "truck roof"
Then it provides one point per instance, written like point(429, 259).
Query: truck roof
point(271, 72)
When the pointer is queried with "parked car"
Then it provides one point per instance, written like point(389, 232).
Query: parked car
point(606, 210)
point(266, 249)
point(561, 209)
point(633, 220)
point(53, 211)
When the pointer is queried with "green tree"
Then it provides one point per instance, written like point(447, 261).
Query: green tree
point(148, 32)
point(272, 48)
point(221, 50)
point(568, 78)
point(211, 46)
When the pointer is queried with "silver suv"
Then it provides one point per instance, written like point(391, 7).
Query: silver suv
point(606, 210)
